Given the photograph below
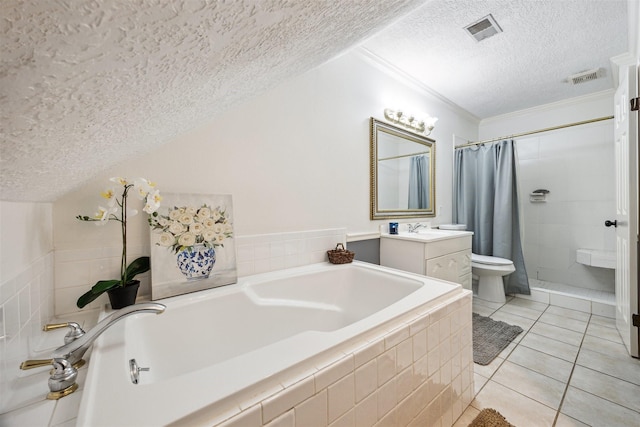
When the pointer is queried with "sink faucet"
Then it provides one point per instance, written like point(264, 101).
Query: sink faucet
point(413, 228)
point(63, 378)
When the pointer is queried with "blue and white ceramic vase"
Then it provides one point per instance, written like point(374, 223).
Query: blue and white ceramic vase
point(196, 262)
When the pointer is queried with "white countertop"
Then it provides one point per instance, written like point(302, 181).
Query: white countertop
point(427, 235)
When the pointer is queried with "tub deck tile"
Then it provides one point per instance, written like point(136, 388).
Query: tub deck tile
point(368, 352)
point(396, 336)
point(276, 405)
point(334, 372)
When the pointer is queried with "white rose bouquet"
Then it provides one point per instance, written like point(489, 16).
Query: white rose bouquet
point(187, 226)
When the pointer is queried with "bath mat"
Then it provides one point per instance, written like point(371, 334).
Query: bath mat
point(490, 418)
point(490, 337)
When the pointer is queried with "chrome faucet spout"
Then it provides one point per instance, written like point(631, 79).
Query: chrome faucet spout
point(414, 227)
point(74, 350)
point(65, 359)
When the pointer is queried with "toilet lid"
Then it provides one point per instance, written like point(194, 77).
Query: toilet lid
point(490, 260)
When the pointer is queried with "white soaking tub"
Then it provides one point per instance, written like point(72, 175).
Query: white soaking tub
point(221, 353)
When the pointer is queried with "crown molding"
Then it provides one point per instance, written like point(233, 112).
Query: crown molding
point(553, 105)
point(405, 78)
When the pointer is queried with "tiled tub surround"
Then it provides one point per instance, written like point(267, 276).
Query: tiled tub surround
point(404, 344)
point(26, 303)
point(418, 372)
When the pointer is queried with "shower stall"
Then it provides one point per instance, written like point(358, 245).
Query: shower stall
point(567, 190)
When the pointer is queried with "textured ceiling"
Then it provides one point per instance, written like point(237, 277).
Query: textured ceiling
point(543, 42)
point(85, 84)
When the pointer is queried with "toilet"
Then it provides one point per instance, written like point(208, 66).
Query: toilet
point(489, 271)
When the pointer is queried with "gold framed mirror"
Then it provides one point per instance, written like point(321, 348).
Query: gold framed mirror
point(402, 173)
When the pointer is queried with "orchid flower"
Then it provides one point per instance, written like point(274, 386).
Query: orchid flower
point(117, 210)
point(153, 202)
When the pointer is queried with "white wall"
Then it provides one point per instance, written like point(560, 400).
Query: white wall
point(26, 286)
point(576, 165)
point(295, 158)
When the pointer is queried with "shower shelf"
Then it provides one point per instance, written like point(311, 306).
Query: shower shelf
point(538, 196)
point(596, 258)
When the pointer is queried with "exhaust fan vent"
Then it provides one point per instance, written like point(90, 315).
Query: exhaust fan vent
point(483, 28)
point(585, 76)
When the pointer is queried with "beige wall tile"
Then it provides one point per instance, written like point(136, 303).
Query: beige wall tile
point(387, 398)
point(367, 411)
point(313, 412)
point(366, 379)
point(341, 397)
point(404, 354)
point(386, 366)
point(419, 344)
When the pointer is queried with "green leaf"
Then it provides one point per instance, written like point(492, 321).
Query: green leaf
point(104, 285)
point(138, 266)
point(98, 289)
point(86, 298)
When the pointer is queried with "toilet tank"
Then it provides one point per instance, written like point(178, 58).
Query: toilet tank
point(460, 227)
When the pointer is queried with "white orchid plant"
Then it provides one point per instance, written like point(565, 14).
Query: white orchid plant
point(117, 210)
point(185, 226)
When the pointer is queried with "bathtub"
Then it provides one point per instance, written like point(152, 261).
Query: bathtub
point(239, 350)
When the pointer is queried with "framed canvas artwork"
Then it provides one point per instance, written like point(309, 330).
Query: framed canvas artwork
point(192, 244)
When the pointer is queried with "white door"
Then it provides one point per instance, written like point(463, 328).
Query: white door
point(626, 143)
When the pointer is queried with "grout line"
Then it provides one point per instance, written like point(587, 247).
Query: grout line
point(566, 389)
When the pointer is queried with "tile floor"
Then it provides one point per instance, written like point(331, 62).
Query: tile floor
point(567, 368)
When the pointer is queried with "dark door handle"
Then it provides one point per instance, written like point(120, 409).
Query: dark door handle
point(608, 223)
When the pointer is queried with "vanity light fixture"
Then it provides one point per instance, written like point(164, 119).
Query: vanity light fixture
point(420, 126)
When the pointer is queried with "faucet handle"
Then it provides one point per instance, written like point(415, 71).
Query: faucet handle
point(39, 363)
point(74, 333)
point(62, 381)
point(35, 363)
point(51, 326)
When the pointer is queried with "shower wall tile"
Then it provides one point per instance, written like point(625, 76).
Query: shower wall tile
point(556, 257)
point(554, 234)
point(529, 149)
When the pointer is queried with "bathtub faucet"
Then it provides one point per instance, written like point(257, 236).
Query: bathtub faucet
point(63, 377)
point(413, 228)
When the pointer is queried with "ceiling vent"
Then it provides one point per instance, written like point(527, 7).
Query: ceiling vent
point(585, 76)
point(483, 28)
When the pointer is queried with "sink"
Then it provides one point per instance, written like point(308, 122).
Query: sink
point(428, 235)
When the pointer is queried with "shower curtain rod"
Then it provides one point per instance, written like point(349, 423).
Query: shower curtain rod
point(534, 131)
point(404, 155)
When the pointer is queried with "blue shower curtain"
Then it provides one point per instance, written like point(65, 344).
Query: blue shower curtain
point(486, 200)
point(419, 183)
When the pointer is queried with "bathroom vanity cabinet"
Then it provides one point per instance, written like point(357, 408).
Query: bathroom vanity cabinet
point(442, 254)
